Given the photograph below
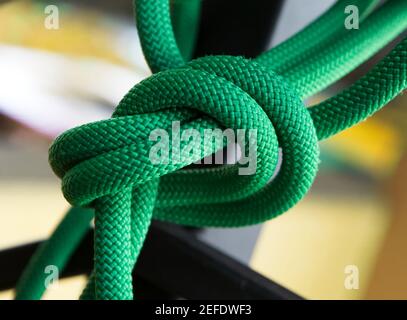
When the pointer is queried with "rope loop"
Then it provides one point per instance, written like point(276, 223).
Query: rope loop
point(107, 164)
point(214, 92)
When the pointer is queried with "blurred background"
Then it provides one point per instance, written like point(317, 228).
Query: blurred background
point(54, 79)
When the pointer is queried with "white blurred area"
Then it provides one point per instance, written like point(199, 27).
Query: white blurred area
point(52, 91)
point(294, 17)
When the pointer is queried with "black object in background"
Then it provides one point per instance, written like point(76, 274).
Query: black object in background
point(173, 263)
point(236, 27)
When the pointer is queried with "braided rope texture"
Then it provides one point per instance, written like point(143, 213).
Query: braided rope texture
point(105, 165)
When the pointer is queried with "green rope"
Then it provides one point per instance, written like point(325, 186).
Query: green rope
point(185, 17)
point(68, 236)
point(105, 165)
point(315, 37)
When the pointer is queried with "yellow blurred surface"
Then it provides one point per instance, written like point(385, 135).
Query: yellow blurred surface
point(29, 210)
point(372, 145)
point(66, 289)
point(308, 248)
point(81, 33)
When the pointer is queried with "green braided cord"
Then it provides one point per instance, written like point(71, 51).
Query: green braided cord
point(346, 53)
point(112, 246)
point(142, 207)
point(159, 44)
point(88, 182)
point(368, 95)
point(314, 37)
point(185, 16)
point(313, 68)
point(162, 53)
point(100, 162)
point(68, 234)
point(142, 203)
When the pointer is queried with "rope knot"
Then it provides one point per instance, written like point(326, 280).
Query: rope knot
point(104, 157)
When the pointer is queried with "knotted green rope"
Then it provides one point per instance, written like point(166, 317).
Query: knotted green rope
point(105, 165)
